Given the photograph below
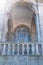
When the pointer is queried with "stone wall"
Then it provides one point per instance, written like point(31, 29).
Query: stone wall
point(21, 60)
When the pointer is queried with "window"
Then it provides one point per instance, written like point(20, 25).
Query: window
point(22, 34)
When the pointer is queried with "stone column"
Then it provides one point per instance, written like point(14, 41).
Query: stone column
point(38, 27)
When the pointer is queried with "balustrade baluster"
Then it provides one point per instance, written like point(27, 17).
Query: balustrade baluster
point(37, 52)
point(1, 49)
point(33, 49)
point(8, 49)
point(30, 49)
point(13, 45)
point(40, 49)
point(25, 49)
point(15, 51)
point(20, 49)
point(11, 49)
point(4, 50)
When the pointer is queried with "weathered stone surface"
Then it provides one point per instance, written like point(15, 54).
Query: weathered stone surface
point(21, 60)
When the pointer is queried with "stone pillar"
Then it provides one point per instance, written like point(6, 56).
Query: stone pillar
point(38, 28)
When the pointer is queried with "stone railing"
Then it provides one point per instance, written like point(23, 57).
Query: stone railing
point(21, 49)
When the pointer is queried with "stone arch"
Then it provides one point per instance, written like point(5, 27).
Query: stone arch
point(21, 4)
point(22, 25)
point(28, 4)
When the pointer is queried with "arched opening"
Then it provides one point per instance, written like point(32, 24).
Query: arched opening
point(22, 34)
point(22, 23)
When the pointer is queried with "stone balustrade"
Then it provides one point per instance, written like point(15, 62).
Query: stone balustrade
point(21, 49)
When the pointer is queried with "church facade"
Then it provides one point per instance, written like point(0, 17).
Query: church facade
point(22, 33)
